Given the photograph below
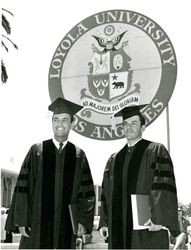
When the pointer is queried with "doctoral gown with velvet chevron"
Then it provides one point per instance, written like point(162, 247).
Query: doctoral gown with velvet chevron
point(147, 169)
point(45, 187)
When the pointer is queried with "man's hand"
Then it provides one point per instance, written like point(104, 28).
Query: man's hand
point(152, 226)
point(81, 230)
point(104, 232)
point(22, 231)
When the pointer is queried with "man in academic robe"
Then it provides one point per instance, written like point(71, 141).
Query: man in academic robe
point(54, 174)
point(143, 168)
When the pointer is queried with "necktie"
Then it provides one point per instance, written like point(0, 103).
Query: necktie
point(60, 147)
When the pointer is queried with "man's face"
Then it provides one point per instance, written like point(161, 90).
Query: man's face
point(132, 128)
point(61, 124)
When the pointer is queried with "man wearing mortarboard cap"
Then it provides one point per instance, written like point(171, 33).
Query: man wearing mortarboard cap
point(142, 168)
point(54, 174)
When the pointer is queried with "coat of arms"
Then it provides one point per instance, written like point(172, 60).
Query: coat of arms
point(110, 74)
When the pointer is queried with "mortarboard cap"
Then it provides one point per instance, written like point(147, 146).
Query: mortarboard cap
point(61, 105)
point(130, 111)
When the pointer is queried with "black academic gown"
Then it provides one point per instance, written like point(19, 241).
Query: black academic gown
point(48, 182)
point(143, 169)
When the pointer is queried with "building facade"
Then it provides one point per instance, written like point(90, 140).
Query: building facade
point(8, 182)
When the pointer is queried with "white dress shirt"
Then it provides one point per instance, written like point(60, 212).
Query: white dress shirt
point(57, 144)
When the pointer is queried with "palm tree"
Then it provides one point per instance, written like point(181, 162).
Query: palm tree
point(5, 42)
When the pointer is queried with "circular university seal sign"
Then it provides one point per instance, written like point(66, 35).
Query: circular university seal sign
point(110, 60)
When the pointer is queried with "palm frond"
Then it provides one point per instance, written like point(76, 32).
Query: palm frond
point(8, 11)
point(4, 46)
point(6, 25)
point(15, 46)
point(4, 75)
point(4, 43)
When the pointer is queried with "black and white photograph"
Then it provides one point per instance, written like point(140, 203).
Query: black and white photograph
point(95, 124)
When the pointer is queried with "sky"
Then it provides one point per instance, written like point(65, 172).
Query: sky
point(37, 29)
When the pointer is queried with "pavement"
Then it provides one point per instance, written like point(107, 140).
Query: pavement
point(97, 242)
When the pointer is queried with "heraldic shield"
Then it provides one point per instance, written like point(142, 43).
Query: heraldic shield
point(109, 74)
